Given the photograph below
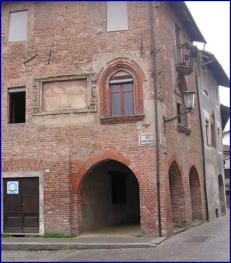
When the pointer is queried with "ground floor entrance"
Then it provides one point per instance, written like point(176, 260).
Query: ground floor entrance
point(109, 197)
point(21, 205)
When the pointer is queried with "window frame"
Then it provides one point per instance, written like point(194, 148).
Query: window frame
point(109, 26)
point(9, 23)
point(213, 131)
point(37, 94)
point(11, 91)
point(110, 69)
point(207, 133)
point(122, 97)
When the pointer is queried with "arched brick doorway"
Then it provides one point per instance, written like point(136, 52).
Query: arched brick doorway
point(109, 197)
point(107, 191)
point(177, 196)
point(195, 194)
point(221, 194)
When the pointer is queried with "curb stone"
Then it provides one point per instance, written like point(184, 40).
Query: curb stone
point(78, 246)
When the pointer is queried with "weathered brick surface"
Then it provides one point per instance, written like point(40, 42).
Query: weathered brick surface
point(69, 144)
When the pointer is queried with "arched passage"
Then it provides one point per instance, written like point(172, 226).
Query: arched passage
point(221, 194)
point(109, 196)
point(195, 194)
point(176, 195)
point(83, 181)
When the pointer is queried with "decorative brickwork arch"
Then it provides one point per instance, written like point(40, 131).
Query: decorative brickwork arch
point(177, 195)
point(102, 157)
point(92, 196)
point(195, 194)
point(132, 69)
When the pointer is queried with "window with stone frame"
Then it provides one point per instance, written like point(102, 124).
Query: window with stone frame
point(121, 92)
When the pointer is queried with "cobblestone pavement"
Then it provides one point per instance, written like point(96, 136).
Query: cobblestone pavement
point(207, 242)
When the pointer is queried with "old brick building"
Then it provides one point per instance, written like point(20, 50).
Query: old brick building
point(83, 145)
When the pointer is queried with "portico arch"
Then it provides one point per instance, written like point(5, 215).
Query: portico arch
point(107, 189)
point(102, 157)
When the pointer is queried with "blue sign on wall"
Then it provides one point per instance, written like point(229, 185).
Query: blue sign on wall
point(12, 187)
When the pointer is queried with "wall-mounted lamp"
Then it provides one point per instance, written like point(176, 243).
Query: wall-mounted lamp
point(189, 105)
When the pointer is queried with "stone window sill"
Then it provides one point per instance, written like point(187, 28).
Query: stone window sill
point(183, 129)
point(121, 119)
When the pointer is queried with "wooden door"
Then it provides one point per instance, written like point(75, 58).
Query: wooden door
point(21, 205)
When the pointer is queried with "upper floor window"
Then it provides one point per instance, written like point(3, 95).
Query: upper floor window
point(117, 15)
point(204, 82)
point(121, 91)
point(178, 42)
point(18, 26)
point(17, 105)
point(213, 131)
point(181, 88)
point(207, 132)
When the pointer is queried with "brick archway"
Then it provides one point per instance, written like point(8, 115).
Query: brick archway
point(177, 195)
point(221, 194)
point(195, 194)
point(92, 162)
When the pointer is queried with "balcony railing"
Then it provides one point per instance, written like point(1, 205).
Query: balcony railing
point(184, 60)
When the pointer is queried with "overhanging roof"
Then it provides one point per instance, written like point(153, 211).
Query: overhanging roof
point(225, 114)
point(184, 15)
point(216, 69)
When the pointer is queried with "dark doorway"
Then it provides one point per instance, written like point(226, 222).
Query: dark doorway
point(109, 197)
point(221, 194)
point(21, 205)
point(177, 196)
point(195, 194)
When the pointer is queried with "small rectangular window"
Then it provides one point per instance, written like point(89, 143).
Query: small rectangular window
point(219, 139)
point(213, 131)
point(118, 184)
point(177, 34)
point(179, 119)
point(18, 26)
point(117, 15)
point(17, 105)
point(207, 131)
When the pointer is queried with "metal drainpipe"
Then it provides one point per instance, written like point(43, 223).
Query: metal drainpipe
point(153, 55)
point(203, 148)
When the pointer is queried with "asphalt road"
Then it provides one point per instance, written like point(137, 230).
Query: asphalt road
point(207, 242)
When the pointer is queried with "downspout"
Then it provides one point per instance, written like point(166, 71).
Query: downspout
point(153, 55)
point(203, 147)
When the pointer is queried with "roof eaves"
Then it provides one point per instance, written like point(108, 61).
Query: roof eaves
point(184, 15)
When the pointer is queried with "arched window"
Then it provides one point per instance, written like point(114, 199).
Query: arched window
point(121, 92)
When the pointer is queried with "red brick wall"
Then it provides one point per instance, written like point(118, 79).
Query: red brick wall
point(75, 33)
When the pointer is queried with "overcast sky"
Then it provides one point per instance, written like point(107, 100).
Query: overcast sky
point(213, 20)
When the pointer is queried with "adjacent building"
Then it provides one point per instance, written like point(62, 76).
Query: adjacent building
point(211, 76)
point(226, 152)
point(226, 138)
point(86, 90)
